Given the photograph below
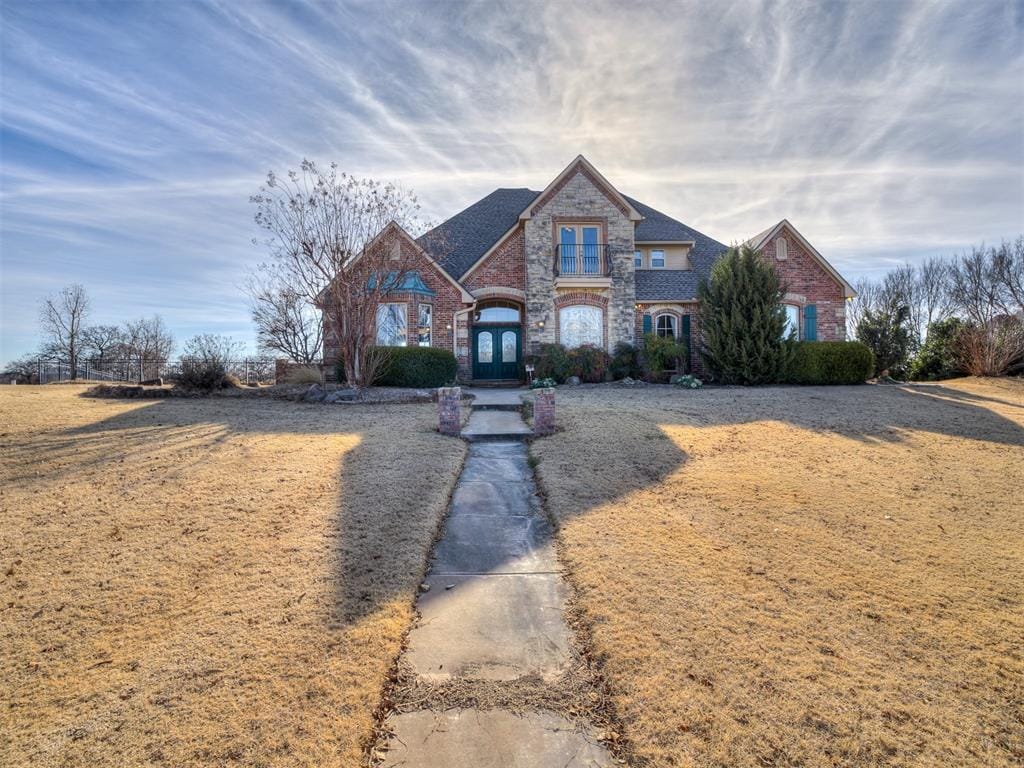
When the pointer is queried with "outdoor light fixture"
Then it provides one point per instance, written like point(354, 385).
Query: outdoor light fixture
point(540, 323)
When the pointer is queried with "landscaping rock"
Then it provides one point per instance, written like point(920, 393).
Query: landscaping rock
point(341, 396)
point(573, 381)
point(314, 394)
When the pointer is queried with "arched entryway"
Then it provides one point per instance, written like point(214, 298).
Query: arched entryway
point(497, 340)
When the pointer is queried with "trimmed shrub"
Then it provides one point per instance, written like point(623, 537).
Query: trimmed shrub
point(556, 362)
point(417, 367)
point(829, 362)
point(662, 354)
point(625, 362)
point(937, 358)
point(589, 363)
point(543, 384)
point(553, 362)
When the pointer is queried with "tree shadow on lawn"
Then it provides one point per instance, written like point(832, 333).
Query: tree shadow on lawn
point(393, 477)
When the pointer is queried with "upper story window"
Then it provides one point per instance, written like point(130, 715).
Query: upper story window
point(580, 250)
point(638, 259)
point(792, 321)
point(391, 325)
point(657, 258)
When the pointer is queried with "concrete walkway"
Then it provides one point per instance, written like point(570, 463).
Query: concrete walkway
point(493, 615)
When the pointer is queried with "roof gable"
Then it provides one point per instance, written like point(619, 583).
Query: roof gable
point(581, 165)
point(757, 242)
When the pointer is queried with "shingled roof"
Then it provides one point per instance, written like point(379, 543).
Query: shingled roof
point(459, 242)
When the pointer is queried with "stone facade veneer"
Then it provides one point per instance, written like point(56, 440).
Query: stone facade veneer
point(579, 198)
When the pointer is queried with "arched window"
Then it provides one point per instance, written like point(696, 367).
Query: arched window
point(497, 312)
point(666, 325)
point(579, 325)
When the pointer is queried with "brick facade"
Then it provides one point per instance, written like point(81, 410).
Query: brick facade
point(521, 269)
point(578, 197)
point(445, 300)
point(805, 282)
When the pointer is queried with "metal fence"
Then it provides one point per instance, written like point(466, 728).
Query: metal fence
point(250, 370)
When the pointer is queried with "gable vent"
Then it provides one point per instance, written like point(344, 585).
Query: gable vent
point(780, 248)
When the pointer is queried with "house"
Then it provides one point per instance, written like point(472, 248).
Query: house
point(577, 263)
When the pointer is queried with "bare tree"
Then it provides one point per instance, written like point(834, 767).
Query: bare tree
point(1008, 264)
point(286, 321)
point(101, 342)
point(62, 319)
point(933, 291)
point(866, 300)
point(327, 237)
point(149, 342)
point(900, 290)
point(23, 370)
point(993, 344)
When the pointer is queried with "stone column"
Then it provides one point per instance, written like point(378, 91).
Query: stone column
point(544, 412)
point(449, 410)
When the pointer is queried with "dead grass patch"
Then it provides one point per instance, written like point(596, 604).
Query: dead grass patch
point(800, 576)
point(206, 581)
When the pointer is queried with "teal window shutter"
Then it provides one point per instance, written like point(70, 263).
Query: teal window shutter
point(686, 341)
point(811, 323)
point(647, 324)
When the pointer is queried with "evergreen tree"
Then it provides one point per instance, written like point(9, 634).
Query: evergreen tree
point(743, 321)
point(886, 332)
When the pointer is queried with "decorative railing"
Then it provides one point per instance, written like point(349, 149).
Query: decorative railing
point(582, 260)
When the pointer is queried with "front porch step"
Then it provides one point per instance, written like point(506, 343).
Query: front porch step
point(495, 425)
point(494, 383)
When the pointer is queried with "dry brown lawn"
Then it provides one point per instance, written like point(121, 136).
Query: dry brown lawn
point(206, 582)
point(801, 576)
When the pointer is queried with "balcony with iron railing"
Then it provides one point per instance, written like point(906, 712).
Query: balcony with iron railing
point(586, 261)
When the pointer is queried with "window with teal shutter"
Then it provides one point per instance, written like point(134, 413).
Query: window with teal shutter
point(648, 327)
point(810, 323)
point(686, 341)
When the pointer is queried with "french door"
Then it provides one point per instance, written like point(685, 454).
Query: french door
point(496, 352)
point(579, 249)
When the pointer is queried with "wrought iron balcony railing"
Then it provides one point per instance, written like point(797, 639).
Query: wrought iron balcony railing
point(582, 260)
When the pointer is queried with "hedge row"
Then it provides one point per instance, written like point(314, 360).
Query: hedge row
point(830, 362)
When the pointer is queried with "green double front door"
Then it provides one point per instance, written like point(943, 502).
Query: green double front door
point(496, 352)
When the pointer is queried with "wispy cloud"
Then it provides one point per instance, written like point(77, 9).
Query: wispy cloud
point(132, 134)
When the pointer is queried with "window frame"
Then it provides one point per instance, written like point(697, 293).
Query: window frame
point(638, 258)
point(797, 310)
point(652, 257)
point(429, 324)
point(405, 323)
point(674, 322)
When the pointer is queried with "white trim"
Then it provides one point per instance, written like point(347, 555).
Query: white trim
point(497, 290)
point(758, 241)
point(573, 167)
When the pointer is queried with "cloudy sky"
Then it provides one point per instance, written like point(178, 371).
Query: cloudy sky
point(133, 133)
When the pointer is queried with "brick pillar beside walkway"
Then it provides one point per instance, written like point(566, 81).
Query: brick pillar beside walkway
point(449, 410)
point(544, 412)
